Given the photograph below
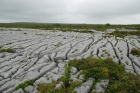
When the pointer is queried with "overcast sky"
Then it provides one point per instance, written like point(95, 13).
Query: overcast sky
point(71, 11)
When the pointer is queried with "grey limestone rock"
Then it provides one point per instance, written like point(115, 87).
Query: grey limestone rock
point(85, 88)
point(74, 70)
point(101, 86)
point(19, 91)
point(29, 89)
point(43, 80)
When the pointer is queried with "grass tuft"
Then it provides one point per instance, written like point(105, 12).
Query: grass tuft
point(100, 68)
point(7, 50)
point(25, 84)
point(135, 51)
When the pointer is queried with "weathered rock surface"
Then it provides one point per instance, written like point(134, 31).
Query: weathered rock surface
point(41, 56)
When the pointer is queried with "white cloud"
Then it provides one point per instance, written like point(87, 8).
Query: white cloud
point(70, 11)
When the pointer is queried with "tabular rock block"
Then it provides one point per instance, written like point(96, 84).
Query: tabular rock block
point(55, 70)
point(82, 77)
point(19, 91)
point(79, 48)
point(53, 56)
point(36, 52)
point(74, 70)
point(10, 90)
point(128, 65)
point(29, 89)
point(43, 80)
point(61, 55)
point(85, 88)
point(38, 66)
point(9, 84)
point(54, 77)
point(101, 85)
point(136, 68)
point(58, 86)
point(61, 65)
point(31, 75)
point(35, 74)
point(7, 75)
point(48, 67)
point(43, 59)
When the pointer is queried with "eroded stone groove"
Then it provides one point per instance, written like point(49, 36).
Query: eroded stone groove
point(40, 56)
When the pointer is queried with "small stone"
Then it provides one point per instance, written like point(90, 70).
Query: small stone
point(61, 65)
point(43, 80)
point(55, 70)
point(29, 89)
point(19, 91)
point(82, 77)
point(74, 70)
point(58, 86)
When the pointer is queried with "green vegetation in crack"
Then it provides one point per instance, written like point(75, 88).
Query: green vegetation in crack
point(9, 50)
point(105, 36)
point(67, 76)
point(135, 51)
point(21, 61)
point(25, 33)
point(25, 84)
point(50, 88)
point(8, 43)
point(66, 87)
point(30, 57)
point(59, 44)
point(41, 34)
point(74, 50)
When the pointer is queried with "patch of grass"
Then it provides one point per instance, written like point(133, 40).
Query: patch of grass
point(47, 88)
point(50, 88)
point(126, 62)
point(30, 57)
point(74, 50)
point(91, 52)
point(7, 50)
point(102, 55)
point(1, 29)
point(25, 84)
point(8, 43)
point(0, 47)
point(67, 76)
point(59, 44)
point(98, 68)
point(25, 33)
point(105, 36)
point(60, 35)
point(135, 51)
point(41, 34)
point(122, 34)
point(21, 61)
point(129, 83)
point(73, 85)
point(106, 52)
